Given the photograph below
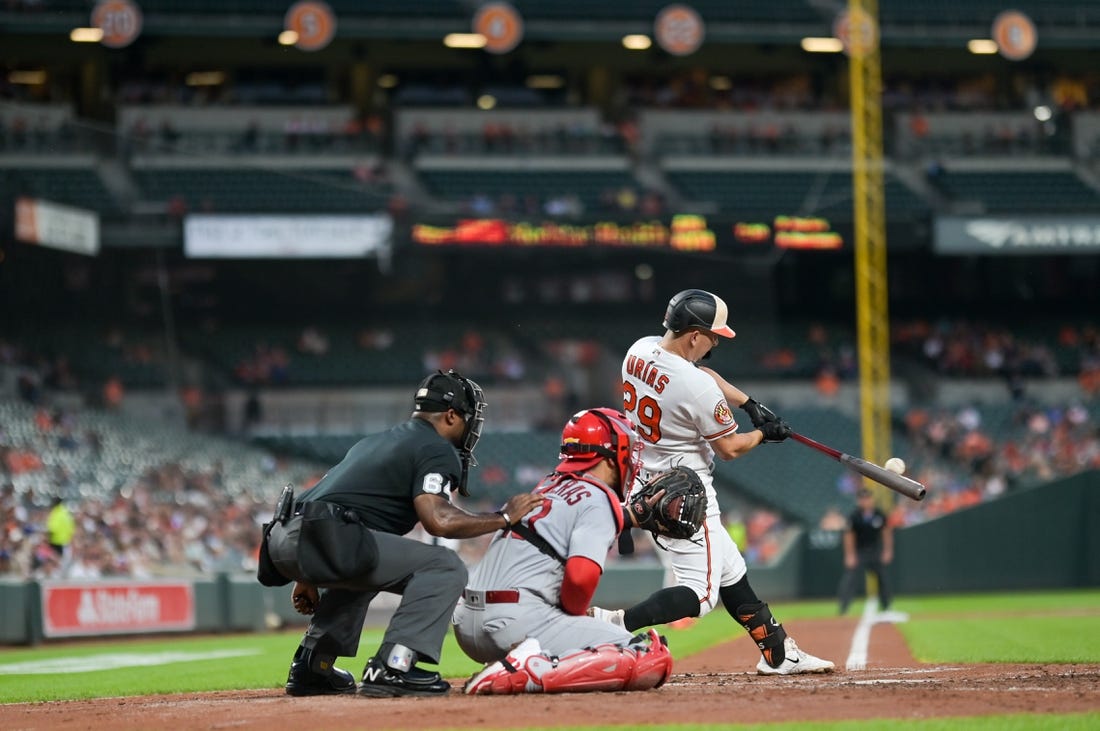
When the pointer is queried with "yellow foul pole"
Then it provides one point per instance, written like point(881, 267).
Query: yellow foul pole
point(872, 316)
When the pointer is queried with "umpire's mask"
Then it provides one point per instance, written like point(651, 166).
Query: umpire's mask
point(441, 391)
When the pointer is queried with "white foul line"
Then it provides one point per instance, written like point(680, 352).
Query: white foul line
point(857, 653)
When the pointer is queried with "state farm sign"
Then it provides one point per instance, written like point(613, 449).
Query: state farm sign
point(71, 610)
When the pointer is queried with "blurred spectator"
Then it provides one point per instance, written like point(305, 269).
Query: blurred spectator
point(313, 342)
point(253, 414)
point(113, 393)
point(60, 527)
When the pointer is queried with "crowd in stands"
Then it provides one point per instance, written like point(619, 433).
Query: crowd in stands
point(299, 134)
point(622, 201)
point(976, 349)
point(503, 138)
point(144, 499)
point(971, 455)
point(170, 522)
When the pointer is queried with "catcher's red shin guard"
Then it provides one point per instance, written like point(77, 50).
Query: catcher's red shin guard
point(653, 667)
point(507, 676)
point(764, 630)
point(606, 667)
point(610, 667)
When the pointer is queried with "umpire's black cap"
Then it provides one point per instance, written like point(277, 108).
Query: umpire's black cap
point(441, 391)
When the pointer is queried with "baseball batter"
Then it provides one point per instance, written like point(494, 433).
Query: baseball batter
point(682, 415)
point(524, 609)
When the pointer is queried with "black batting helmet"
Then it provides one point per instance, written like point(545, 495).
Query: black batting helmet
point(697, 308)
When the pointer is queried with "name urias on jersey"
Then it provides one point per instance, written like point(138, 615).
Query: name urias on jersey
point(647, 373)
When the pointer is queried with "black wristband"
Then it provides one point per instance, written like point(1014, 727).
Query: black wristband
point(507, 518)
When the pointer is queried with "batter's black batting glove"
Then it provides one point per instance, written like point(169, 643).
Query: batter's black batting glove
point(759, 413)
point(775, 431)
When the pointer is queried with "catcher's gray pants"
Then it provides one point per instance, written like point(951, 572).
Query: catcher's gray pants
point(487, 631)
point(429, 580)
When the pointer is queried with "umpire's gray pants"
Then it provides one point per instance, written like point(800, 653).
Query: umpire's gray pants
point(429, 579)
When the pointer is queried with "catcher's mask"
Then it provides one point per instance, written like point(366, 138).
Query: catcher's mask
point(592, 435)
point(442, 391)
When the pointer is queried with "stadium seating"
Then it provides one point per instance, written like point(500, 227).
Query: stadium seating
point(76, 186)
point(1015, 191)
point(257, 189)
point(804, 192)
point(129, 447)
point(458, 184)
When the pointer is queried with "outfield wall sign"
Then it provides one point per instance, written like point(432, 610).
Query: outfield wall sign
point(239, 236)
point(57, 226)
point(1017, 235)
point(78, 609)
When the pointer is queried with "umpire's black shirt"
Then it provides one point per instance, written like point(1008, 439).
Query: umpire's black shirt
point(381, 475)
point(867, 527)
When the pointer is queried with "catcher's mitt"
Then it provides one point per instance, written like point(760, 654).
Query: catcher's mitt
point(679, 512)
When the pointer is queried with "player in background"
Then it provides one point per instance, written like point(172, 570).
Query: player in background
point(681, 412)
point(523, 611)
point(868, 545)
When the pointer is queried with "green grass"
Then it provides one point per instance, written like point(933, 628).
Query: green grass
point(1010, 628)
point(1054, 627)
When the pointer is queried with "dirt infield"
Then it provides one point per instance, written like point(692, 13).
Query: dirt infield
point(717, 686)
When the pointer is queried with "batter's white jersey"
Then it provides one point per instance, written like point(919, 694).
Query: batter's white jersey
point(678, 410)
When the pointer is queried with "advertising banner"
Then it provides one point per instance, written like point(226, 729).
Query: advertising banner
point(100, 608)
point(286, 237)
point(1017, 235)
point(57, 226)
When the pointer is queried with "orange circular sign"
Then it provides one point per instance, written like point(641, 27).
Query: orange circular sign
point(313, 21)
point(857, 32)
point(679, 30)
point(1015, 35)
point(120, 21)
point(502, 26)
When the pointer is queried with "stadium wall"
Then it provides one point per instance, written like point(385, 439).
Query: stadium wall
point(1039, 538)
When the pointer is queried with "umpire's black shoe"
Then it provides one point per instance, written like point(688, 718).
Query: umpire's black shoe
point(382, 681)
point(303, 681)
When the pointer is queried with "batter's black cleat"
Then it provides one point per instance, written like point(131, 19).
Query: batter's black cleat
point(329, 681)
point(382, 681)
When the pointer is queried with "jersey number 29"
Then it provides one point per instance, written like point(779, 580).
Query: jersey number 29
point(646, 410)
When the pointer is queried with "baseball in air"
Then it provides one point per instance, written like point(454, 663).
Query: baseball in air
point(895, 464)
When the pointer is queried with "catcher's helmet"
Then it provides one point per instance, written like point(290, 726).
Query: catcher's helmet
point(441, 391)
point(697, 308)
point(592, 435)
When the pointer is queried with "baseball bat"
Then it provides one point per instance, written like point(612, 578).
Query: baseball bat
point(898, 483)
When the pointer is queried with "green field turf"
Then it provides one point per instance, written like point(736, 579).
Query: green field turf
point(973, 628)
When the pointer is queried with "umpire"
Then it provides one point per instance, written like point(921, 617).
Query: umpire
point(868, 545)
point(341, 541)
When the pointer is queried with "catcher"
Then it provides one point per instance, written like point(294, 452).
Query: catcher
point(524, 609)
